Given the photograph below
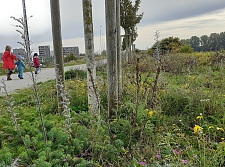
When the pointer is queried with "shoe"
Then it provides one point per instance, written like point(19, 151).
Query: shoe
point(35, 72)
point(8, 77)
point(21, 77)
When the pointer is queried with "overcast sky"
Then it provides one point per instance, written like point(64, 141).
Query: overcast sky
point(178, 18)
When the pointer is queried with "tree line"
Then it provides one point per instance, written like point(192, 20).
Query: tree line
point(213, 42)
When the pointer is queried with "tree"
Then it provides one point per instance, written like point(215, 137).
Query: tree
point(186, 49)
point(129, 20)
point(26, 33)
point(195, 43)
point(204, 40)
point(214, 43)
point(185, 41)
point(57, 45)
point(169, 45)
point(111, 36)
point(222, 40)
point(93, 99)
point(119, 61)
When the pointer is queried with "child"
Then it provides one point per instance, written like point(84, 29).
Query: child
point(20, 66)
point(8, 60)
point(36, 62)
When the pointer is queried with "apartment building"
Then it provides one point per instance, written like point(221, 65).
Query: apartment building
point(19, 51)
point(44, 51)
point(1, 54)
point(69, 50)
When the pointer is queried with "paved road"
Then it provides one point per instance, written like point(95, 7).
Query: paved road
point(45, 74)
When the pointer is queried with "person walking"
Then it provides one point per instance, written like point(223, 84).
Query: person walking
point(20, 66)
point(8, 61)
point(36, 62)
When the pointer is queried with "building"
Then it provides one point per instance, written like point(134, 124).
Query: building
point(44, 51)
point(1, 54)
point(69, 50)
point(19, 51)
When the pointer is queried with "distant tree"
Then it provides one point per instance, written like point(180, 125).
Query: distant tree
point(186, 49)
point(214, 42)
point(222, 40)
point(185, 41)
point(204, 40)
point(129, 19)
point(195, 43)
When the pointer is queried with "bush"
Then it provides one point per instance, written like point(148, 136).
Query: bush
point(78, 74)
point(70, 57)
point(178, 63)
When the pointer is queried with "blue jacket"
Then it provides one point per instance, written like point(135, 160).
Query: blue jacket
point(20, 65)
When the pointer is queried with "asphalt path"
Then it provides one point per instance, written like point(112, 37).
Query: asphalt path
point(44, 74)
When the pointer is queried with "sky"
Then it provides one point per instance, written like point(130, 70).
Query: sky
point(177, 18)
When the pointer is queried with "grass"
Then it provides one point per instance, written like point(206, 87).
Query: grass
point(184, 128)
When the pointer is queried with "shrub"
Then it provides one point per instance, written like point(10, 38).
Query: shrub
point(78, 74)
point(178, 63)
point(70, 57)
point(121, 130)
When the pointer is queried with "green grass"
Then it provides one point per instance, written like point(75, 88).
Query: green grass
point(184, 128)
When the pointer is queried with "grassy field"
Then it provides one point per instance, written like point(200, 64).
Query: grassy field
point(172, 115)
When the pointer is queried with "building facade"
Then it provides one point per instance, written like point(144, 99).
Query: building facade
point(44, 51)
point(69, 50)
point(19, 51)
point(1, 54)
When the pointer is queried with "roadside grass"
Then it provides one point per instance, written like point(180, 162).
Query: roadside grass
point(184, 128)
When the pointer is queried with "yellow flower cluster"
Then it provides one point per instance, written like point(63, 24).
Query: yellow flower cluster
point(199, 117)
point(197, 129)
point(150, 112)
point(221, 129)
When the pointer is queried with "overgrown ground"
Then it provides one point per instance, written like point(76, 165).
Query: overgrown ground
point(170, 116)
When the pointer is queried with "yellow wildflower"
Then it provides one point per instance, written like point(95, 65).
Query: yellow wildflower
point(83, 84)
point(221, 129)
point(222, 138)
point(163, 91)
point(197, 129)
point(185, 85)
point(192, 77)
point(211, 127)
point(150, 113)
point(199, 117)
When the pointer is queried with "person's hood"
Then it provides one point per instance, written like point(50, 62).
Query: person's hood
point(19, 57)
point(6, 53)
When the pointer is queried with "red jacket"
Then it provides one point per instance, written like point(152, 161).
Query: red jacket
point(36, 62)
point(8, 60)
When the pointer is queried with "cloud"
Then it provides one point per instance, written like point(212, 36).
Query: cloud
point(182, 28)
point(168, 10)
